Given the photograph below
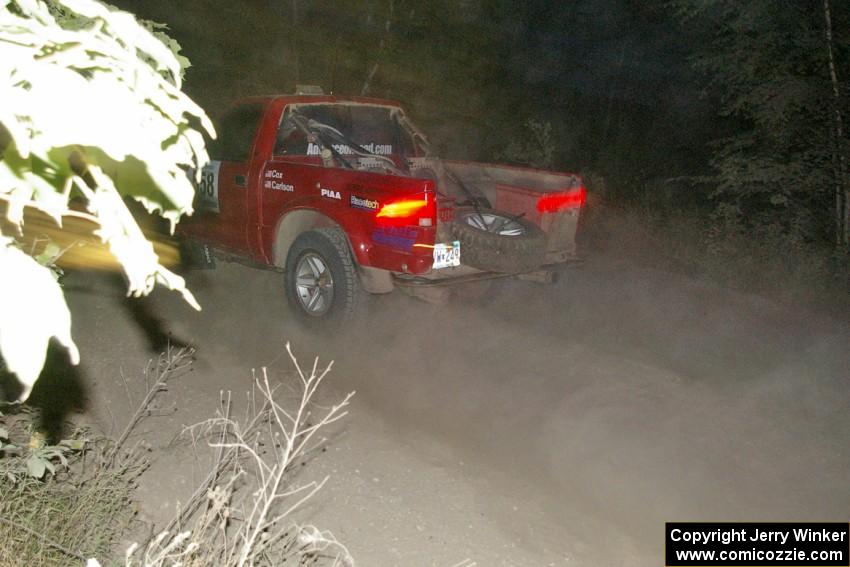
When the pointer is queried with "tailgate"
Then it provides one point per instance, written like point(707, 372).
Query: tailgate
point(555, 211)
point(551, 200)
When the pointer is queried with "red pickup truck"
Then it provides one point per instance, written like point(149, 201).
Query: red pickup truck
point(344, 195)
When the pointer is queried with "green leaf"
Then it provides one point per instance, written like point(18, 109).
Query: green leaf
point(32, 311)
point(51, 251)
point(73, 444)
point(36, 467)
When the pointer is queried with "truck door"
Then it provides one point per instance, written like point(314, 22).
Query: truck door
point(224, 194)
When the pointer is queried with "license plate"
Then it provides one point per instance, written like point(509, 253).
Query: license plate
point(446, 255)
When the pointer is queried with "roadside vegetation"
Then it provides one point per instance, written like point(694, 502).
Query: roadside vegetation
point(59, 504)
point(122, 130)
point(242, 513)
point(72, 502)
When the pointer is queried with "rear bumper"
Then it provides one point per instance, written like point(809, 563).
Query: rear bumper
point(466, 274)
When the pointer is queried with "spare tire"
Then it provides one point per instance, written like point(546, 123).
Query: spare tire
point(498, 242)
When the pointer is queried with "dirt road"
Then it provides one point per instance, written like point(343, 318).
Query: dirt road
point(559, 425)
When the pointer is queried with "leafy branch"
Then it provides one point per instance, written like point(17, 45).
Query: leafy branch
point(92, 114)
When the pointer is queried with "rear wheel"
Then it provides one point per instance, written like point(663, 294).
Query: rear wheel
point(320, 281)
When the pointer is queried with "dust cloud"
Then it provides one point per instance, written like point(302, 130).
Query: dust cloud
point(625, 396)
point(616, 399)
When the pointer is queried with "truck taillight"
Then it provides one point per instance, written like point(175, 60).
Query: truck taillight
point(554, 202)
point(402, 209)
point(420, 211)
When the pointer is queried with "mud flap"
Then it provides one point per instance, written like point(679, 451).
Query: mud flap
point(196, 256)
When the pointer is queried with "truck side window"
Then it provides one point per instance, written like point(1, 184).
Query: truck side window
point(236, 133)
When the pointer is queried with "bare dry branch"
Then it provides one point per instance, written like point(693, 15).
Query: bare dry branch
point(251, 492)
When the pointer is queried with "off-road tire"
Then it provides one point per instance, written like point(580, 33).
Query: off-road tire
point(331, 247)
point(495, 252)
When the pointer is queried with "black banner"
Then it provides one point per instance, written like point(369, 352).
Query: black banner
point(765, 544)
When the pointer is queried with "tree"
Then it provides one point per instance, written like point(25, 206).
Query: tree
point(839, 145)
point(92, 113)
point(773, 67)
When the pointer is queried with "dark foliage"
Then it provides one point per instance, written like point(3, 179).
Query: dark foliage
point(768, 65)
